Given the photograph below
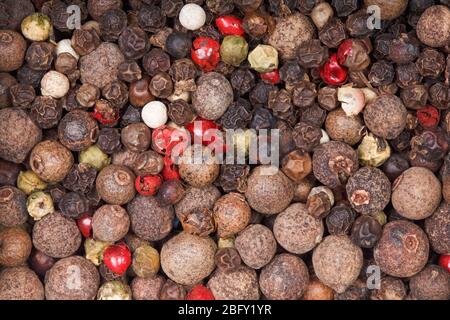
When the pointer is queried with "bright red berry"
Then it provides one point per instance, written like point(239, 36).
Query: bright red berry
point(230, 25)
point(444, 261)
point(170, 171)
point(165, 138)
point(85, 225)
point(199, 130)
point(344, 51)
point(117, 258)
point(428, 116)
point(205, 53)
point(104, 113)
point(200, 292)
point(272, 77)
point(332, 73)
point(148, 185)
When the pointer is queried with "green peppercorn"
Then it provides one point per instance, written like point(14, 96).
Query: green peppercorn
point(233, 50)
point(39, 204)
point(145, 261)
point(263, 58)
point(94, 250)
point(36, 27)
point(380, 216)
point(373, 151)
point(95, 157)
point(114, 290)
point(29, 182)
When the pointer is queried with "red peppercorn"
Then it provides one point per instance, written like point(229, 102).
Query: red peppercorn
point(199, 131)
point(344, 50)
point(117, 258)
point(205, 53)
point(85, 225)
point(165, 138)
point(428, 116)
point(200, 292)
point(332, 73)
point(170, 171)
point(272, 77)
point(148, 185)
point(230, 25)
point(104, 113)
point(444, 261)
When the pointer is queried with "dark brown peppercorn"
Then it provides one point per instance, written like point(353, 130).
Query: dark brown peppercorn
point(357, 26)
point(170, 193)
point(180, 112)
point(22, 95)
point(66, 63)
point(40, 262)
point(26, 75)
point(6, 81)
point(12, 50)
point(439, 95)
point(436, 227)
point(306, 136)
point(233, 177)
point(172, 291)
point(428, 149)
point(39, 55)
point(304, 94)
point(8, 172)
point(366, 232)
point(115, 184)
point(332, 33)
point(15, 247)
point(69, 101)
point(171, 8)
point(182, 69)
point(147, 288)
point(98, 8)
point(430, 63)
point(136, 137)
point(112, 23)
point(116, 92)
point(148, 163)
point(327, 98)
point(340, 220)
point(110, 223)
point(84, 41)
point(46, 111)
point(150, 18)
point(403, 49)
point(134, 43)
point(161, 85)
point(156, 60)
point(129, 71)
point(109, 140)
point(227, 259)
point(80, 178)
point(414, 97)
point(87, 95)
point(198, 222)
point(77, 130)
point(139, 92)
point(237, 116)
point(311, 54)
point(242, 80)
point(178, 45)
point(291, 72)
point(394, 166)
point(73, 205)
point(407, 75)
point(13, 12)
point(381, 73)
point(20, 283)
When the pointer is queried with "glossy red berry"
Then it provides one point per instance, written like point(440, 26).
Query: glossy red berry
point(165, 138)
point(148, 185)
point(205, 53)
point(230, 26)
point(200, 131)
point(444, 261)
point(170, 171)
point(272, 77)
point(85, 225)
point(117, 258)
point(344, 51)
point(428, 116)
point(332, 73)
point(200, 292)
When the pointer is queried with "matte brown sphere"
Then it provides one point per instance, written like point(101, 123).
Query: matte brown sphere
point(385, 116)
point(432, 283)
point(433, 27)
point(416, 193)
point(188, 259)
point(136, 137)
point(77, 130)
point(198, 172)
point(284, 278)
point(13, 209)
point(72, 278)
point(337, 262)
point(149, 220)
point(390, 289)
point(56, 235)
point(231, 214)
point(296, 230)
point(437, 227)
point(340, 127)
point(316, 290)
point(197, 198)
point(15, 247)
point(239, 284)
point(51, 161)
point(389, 9)
point(20, 283)
point(269, 191)
point(18, 134)
point(402, 250)
point(110, 223)
point(147, 288)
point(115, 184)
point(256, 245)
point(12, 50)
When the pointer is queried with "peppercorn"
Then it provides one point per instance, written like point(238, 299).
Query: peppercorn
point(390, 289)
point(114, 290)
point(161, 85)
point(110, 223)
point(198, 172)
point(16, 247)
point(388, 10)
point(197, 198)
point(154, 114)
point(40, 262)
point(129, 71)
point(28, 182)
point(171, 290)
point(394, 166)
point(94, 250)
point(94, 157)
point(263, 58)
point(39, 204)
point(432, 283)
point(228, 259)
point(147, 288)
point(233, 50)
point(9, 172)
point(333, 33)
point(239, 284)
point(319, 201)
point(430, 33)
point(12, 48)
point(402, 250)
point(178, 45)
point(20, 283)
point(435, 227)
point(46, 112)
point(115, 184)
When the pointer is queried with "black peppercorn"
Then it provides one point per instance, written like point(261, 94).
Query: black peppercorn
point(116, 92)
point(150, 18)
point(178, 45)
point(156, 60)
point(112, 23)
point(134, 43)
point(129, 71)
point(22, 95)
point(332, 33)
point(84, 41)
point(242, 80)
point(77, 130)
point(237, 116)
point(161, 85)
point(366, 231)
point(73, 205)
point(40, 56)
point(80, 178)
point(46, 111)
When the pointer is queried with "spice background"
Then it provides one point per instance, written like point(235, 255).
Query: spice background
point(92, 205)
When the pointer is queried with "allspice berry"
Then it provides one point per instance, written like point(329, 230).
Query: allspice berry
point(56, 235)
point(284, 278)
point(316, 290)
point(433, 27)
point(115, 184)
point(12, 50)
point(136, 137)
point(20, 283)
point(231, 214)
point(402, 250)
point(198, 166)
point(77, 130)
point(213, 96)
point(390, 289)
point(368, 190)
point(197, 198)
point(147, 288)
point(344, 128)
point(72, 278)
point(13, 209)
point(239, 284)
point(337, 262)
point(432, 283)
point(188, 259)
point(269, 191)
point(110, 223)
point(437, 226)
point(256, 245)
point(51, 161)
point(296, 230)
point(416, 193)
point(15, 247)
point(149, 220)
point(18, 134)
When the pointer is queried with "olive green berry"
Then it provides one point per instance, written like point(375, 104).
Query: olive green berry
point(233, 50)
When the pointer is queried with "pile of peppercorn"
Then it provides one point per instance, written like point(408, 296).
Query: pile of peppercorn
point(94, 101)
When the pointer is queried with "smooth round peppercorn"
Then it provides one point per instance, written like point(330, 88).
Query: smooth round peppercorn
point(147, 288)
point(344, 128)
point(231, 214)
point(15, 247)
point(154, 114)
point(54, 84)
point(110, 223)
point(115, 184)
point(432, 283)
point(136, 137)
point(40, 262)
point(192, 16)
point(12, 50)
point(20, 283)
point(389, 10)
point(178, 45)
point(198, 167)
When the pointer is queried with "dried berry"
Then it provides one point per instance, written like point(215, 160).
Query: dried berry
point(46, 112)
point(84, 41)
point(432, 283)
point(239, 284)
point(340, 220)
point(115, 184)
point(435, 227)
point(20, 283)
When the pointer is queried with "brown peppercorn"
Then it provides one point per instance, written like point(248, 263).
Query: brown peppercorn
point(198, 167)
point(402, 250)
point(84, 41)
point(20, 283)
point(110, 223)
point(197, 198)
point(77, 130)
point(56, 235)
point(404, 49)
point(12, 50)
point(148, 163)
point(333, 33)
point(13, 210)
point(8, 172)
point(150, 221)
point(39, 56)
point(432, 283)
point(306, 136)
point(87, 95)
point(6, 82)
point(416, 193)
point(414, 97)
point(51, 161)
point(139, 92)
point(303, 94)
point(366, 231)
point(431, 33)
point(156, 60)
point(297, 165)
point(59, 284)
point(188, 259)
point(303, 188)
point(381, 73)
point(337, 262)
point(439, 95)
point(430, 63)
point(180, 112)
point(15, 247)
point(150, 18)
point(407, 75)
point(73, 205)
point(233, 177)
point(231, 214)
point(136, 137)
point(46, 112)
point(80, 178)
point(129, 71)
point(115, 184)
point(436, 227)
point(239, 284)
point(389, 10)
point(327, 98)
point(390, 289)
point(340, 220)
point(356, 291)
point(269, 191)
point(171, 290)
point(98, 8)
point(40, 262)
point(227, 259)
point(116, 92)
point(161, 85)
point(284, 278)
point(66, 63)
point(344, 128)
point(18, 134)
point(316, 290)
point(296, 230)
point(112, 23)
point(22, 95)
point(147, 288)
point(170, 192)
point(109, 140)
point(312, 54)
